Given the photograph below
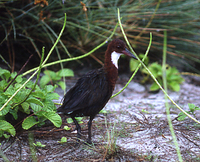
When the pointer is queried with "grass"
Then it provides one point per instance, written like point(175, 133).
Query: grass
point(111, 147)
point(26, 27)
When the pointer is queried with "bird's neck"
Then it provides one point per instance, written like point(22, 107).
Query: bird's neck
point(111, 68)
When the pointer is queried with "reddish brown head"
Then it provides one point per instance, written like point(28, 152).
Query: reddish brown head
point(115, 49)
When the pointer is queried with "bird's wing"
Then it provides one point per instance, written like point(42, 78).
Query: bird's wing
point(91, 89)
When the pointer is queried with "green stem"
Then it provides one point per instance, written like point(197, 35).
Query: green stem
point(37, 69)
point(147, 51)
point(74, 58)
point(151, 73)
point(166, 99)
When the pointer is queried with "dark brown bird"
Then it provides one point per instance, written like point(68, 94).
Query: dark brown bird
point(93, 90)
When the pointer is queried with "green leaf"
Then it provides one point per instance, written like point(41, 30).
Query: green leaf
point(36, 108)
point(103, 111)
point(181, 116)
point(49, 88)
point(174, 86)
point(29, 122)
point(66, 128)
point(5, 73)
point(79, 119)
point(38, 144)
point(52, 96)
point(154, 87)
point(51, 74)
point(5, 126)
point(191, 106)
point(49, 105)
point(54, 118)
point(44, 80)
point(38, 94)
point(63, 140)
point(69, 120)
point(19, 79)
point(25, 106)
point(34, 100)
point(5, 110)
point(62, 85)
point(65, 73)
point(133, 64)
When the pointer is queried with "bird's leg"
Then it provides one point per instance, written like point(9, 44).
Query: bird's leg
point(78, 128)
point(89, 130)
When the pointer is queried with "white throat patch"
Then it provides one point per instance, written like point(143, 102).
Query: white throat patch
point(115, 57)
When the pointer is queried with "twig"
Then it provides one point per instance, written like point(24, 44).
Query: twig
point(18, 73)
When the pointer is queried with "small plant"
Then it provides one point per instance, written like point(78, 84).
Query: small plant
point(192, 107)
point(55, 77)
point(66, 128)
point(32, 105)
point(38, 144)
point(111, 146)
point(78, 119)
point(173, 76)
point(63, 140)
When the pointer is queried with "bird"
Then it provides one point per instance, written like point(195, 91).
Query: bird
point(93, 90)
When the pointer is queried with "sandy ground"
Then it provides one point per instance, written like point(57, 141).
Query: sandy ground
point(134, 128)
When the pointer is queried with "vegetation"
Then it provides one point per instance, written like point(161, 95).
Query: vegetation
point(28, 26)
point(32, 105)
point(173, 77)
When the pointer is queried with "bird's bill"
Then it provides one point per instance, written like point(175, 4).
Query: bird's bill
point(128, 53)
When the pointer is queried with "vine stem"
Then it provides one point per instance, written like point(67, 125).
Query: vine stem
point(120, 24)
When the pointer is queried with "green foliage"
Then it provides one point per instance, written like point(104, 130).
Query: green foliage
point(63, 140)
point(55, 77)
point(37, 105)
point(79, 120)
point(173, 76)
point(66, 128)
point(38, 144)
point(86, 29)
point(193, 109)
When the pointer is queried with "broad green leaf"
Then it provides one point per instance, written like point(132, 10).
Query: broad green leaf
point(6, 109)
point(44, 80)
point(29, 122)
point(49, 105)
point(181, 116)
point(54, 118)
point(38, 94)
point(3, 84)
point(34, 100)
point(174, 86)
point(50, 73)
point(62, 85)
point(19, 79)
point(133, 64)
point(5, 73)
point(5, 126)
point(36, 108)
point(52, 96)
point(25, 106)
point(49, 88)
point(154, 87)
point(65, 73)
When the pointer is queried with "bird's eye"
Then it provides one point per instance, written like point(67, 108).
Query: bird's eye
point(118, 47)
